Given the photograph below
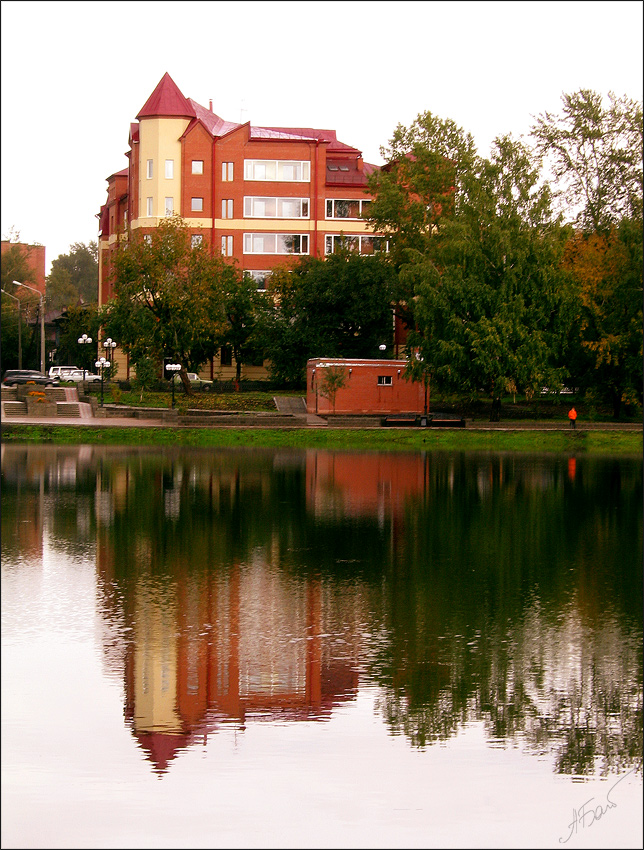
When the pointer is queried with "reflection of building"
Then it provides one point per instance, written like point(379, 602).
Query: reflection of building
point(215, 647)
point(359, 484)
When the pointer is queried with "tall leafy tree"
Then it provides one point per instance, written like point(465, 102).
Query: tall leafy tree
point(487, 304)
point(15, 264)
point(593, 149)
point(75, 322)
point(607, 275)
point(340, 306)
point(421, 185)
point(73, 278)
point(242, 303)
point(167, 296)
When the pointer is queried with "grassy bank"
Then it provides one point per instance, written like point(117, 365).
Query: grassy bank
point(585, 442)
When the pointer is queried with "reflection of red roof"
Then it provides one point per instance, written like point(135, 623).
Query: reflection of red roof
point(167, 101)
point(161, 747)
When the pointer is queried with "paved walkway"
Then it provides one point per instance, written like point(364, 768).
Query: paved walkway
point(309, 421)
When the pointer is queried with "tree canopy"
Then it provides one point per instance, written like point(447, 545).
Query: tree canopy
point(73, 279)
point(167, 296)
point(594, 152)
point(340, 306)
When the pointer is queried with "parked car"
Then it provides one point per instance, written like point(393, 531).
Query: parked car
point(77, 375)
point(196, 382)
point(61, 371)
point(14, 377)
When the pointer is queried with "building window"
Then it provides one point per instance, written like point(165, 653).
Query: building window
point(260, 278)
point(197, 166)
point(276, 243)
point(226, 246)
point(169, 206)
point(226, 355)
point(226, 208)
point(359, 244)
point(169, 169)
point(226, 171)
point(336, 208)
point(150, 207)
point(384, 380)
point(150, 169)
point(292, 171)
point(276, 207)
point(196, 240)
point(197, 205)
point(147, 239)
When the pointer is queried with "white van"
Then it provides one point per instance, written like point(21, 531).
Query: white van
point(61, 371)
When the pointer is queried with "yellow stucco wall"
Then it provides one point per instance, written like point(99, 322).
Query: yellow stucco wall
point(159, 140)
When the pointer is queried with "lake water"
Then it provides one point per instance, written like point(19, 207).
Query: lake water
point(269, 648)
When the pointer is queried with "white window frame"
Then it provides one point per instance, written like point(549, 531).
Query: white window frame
point(227, 208)
point(350, 237)
point(150, 169)
point(169, 169)
point(147, 238)
point(227, 172)
point(196, 239)
point(334, 201)
point(273, 170)
point(385, 381)
point(259, 276)
point(199, 207)
point(252, 204)
point(169, 207)
point(252, 241)
point(226, 246)
point(197, 166)
point(150, 207)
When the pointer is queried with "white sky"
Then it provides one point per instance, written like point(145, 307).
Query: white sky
point(74, 75)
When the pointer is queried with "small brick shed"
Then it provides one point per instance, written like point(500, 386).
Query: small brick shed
point(371, 387)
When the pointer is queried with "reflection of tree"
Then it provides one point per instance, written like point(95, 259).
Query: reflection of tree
point(497, 589)
point(519, 587)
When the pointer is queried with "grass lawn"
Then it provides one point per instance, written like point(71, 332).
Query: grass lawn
point(354, 439)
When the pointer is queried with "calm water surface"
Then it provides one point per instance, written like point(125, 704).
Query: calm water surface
point(263, 648)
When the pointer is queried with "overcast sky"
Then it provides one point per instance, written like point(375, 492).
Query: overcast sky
point(74, 75)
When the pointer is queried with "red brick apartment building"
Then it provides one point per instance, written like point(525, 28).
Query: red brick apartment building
point(261, 195)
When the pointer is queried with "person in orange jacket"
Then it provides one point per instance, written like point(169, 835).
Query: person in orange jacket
point(572, 415)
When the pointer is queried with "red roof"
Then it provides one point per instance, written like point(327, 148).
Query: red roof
point(167, 101)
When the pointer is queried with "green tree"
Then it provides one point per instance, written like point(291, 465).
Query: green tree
point(75, 322)
point(487, 306)
point(167, 296)
point(607, 347)
point(594, 153)
point(242, 303)
point(15, 264)
point(334, 378)
point(73, 278)
point(421, 185)
point(340, 306)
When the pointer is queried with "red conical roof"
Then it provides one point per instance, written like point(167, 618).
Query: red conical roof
point(166, 101)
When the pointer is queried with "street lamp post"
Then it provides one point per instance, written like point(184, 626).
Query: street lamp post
point(19, 327)
point(109, 345)
point(173, 368)
point(83, 340)
point(42, 323)
point(102, 364)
